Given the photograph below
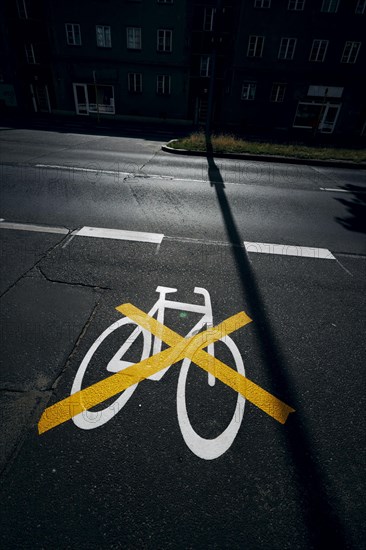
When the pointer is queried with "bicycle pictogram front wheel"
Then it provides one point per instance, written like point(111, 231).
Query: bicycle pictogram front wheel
point(206, 448)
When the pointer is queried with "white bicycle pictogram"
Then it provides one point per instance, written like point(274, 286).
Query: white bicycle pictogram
point(204, 448)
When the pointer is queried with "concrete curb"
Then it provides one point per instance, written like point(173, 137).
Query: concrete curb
point(268, 158)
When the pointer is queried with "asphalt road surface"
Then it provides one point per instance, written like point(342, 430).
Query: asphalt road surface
point(93, 221)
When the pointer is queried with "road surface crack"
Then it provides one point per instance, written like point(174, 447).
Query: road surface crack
point(75, 348)
point(35, 265)
point(58, 281)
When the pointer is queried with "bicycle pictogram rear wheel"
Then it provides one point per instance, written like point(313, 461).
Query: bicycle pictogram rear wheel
point(88, 420)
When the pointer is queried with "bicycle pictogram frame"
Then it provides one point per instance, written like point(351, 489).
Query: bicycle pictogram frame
point(189, 349)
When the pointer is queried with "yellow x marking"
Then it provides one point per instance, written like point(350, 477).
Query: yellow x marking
point(179, 349)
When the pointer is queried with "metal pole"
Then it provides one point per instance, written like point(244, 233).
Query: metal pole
point(213, 58)
point(96, 96)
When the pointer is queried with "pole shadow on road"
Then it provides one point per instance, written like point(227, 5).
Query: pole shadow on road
point(356, 208)
point(322, 522)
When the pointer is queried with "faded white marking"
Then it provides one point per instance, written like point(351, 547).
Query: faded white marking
point(120, 234)
point(289, 250)
point(31, 227)
point(334, 190)
point(78, 169)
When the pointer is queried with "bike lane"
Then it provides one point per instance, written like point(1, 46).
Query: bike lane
point(133, 482)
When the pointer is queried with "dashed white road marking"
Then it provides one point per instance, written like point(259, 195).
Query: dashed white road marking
point(157, 238)
point(334, 190)
point(31, 227)
point(289, 250)
point(78, 169)
point(120, 234)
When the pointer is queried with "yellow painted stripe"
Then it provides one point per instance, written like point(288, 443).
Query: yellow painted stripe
point(255, 394)
point(101, 391)
point(179, 349)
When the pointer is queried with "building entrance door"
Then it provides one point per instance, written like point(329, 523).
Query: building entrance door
point(81, 99)
point(40, 98)
point(201, 110)
point(329, 118)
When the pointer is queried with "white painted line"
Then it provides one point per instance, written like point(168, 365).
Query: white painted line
point(170, 178)
point(31, 227)
point(120, 234)
point(334, 190)
point(77, 169)
point(289, 250)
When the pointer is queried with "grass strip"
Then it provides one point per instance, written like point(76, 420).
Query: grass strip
point(226, 143)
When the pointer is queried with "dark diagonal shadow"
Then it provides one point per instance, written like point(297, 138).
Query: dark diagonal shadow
point(323, 525)
point(356, 207)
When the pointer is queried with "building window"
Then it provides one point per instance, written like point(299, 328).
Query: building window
point(248, 91)
point(350, 52)
point(22, 9)
point(262, 3)
point(205, 69)
point(73, 35)
point(255, 46)
point(296, 5)
point(318, 50)
point(29, 53)
point(208, 18)
point(163, 84)
point(103, 36)
point(135, 83)
point(330, 6)
point(287, 48)
point(94, 98)
point(314, 116)
point(278, 92)
point(133, 38)
point(164, 40)
point(360, 7)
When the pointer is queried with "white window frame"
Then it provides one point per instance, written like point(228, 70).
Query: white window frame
point(29, 53)
point(324, 107)
point(164, 41)
point(163, 84)
point(287, 48)
point(205, 65)
point(94, 108)
point(22, 9)
point(72, 27)
point(255, 45)
point(278, 92)
point(348, 55)
point(104, 32)
point(248, 90)
point(208, 18)
point(330, 6)
point(360, 7)
point(262, 4)
point(296, 5)
point(134, 83)
point(316, 48)
point(134, 38)
point(363, 129)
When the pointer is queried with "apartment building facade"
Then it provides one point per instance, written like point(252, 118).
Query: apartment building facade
point(122, 59)
point(250, 65)
point(300, 65)
point(25, 62)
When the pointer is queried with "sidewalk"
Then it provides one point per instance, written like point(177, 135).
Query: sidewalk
point(91, 125)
